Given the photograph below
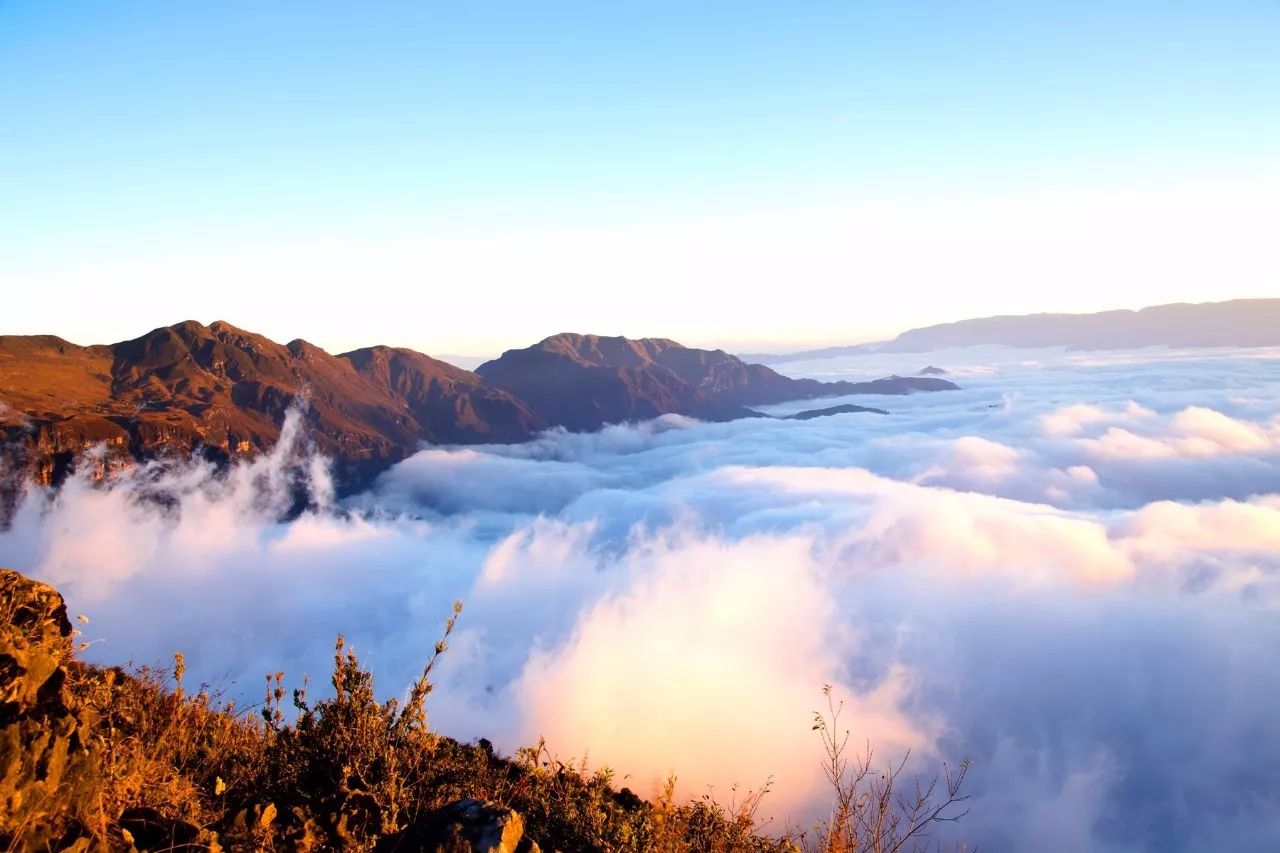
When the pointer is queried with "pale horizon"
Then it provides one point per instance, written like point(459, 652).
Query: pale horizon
point(736, 346)
point(466, 183)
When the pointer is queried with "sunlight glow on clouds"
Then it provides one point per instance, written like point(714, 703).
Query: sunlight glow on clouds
point(980, 574)
point(707, 659)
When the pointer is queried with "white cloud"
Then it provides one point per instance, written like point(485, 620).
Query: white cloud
point(706, 663)
point(981, 574)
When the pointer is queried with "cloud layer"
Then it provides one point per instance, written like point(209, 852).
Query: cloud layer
point(1068, 572)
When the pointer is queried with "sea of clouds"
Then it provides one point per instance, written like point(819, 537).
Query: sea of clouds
point(1067, 572)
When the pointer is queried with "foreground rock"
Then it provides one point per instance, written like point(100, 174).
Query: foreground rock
point(53, 771)
point(51, 762)
point(101, 759)
point(46, 753)
point(465, 826)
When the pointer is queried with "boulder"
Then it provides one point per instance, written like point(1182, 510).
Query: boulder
point(147, 829)
point(467, 826)
point(47, 760)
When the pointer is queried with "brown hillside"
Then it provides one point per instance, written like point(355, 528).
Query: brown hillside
point(224, 392)
point(585, 381)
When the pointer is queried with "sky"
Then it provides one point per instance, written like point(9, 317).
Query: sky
point(462, 178)
point(1067, 571)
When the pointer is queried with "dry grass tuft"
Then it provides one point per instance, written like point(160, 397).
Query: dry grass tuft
point(146, 764)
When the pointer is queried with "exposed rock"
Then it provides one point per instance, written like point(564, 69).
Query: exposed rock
point(35, 613)
point(47, 760)
point(467, 826)
point(355, 815)
point(51, 770)
point(146, 829)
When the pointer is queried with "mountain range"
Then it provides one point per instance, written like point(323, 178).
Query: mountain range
point(1235, 323)
point(223, 392)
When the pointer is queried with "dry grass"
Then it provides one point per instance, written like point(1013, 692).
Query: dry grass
point(879, 812)
point(340, 772)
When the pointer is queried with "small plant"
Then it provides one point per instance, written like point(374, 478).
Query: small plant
point(353, 747)
point(149, 755)
point(875, 812)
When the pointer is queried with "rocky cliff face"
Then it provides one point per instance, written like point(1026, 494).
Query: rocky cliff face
point(47, 751)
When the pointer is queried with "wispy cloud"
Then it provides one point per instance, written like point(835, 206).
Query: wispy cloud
point(985, 575)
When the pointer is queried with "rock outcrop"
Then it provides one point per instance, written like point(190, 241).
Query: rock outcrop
point(46, 752)
point(48, 760)
point(53, 769)
point(467, 826)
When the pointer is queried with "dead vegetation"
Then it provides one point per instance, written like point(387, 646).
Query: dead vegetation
point(103, 759)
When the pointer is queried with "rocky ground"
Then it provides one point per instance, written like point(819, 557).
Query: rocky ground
point(100, 759)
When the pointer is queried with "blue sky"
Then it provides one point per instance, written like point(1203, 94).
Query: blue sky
point(299, 168)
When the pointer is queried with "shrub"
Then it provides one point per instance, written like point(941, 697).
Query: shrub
point(142, 763)
point(876, 812)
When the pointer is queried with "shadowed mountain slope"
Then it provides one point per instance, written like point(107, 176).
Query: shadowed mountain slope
point(626, 380)
point(226, 391)
point(222, 392)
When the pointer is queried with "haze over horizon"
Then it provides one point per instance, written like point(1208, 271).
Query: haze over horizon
point(477, 180)
point(1067, 571)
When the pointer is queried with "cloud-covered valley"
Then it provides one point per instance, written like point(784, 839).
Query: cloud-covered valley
point(1068, 572)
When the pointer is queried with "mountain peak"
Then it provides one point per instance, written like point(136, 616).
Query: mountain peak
point(585, 381)
point(221, 391)
point(605, 350)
